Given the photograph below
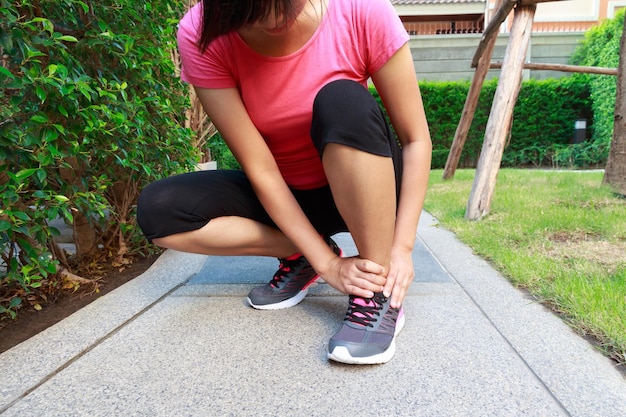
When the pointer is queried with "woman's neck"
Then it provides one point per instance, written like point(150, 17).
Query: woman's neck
point(288, 38)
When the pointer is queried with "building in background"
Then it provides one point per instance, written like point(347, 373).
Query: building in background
point(445, 33)
point(446, 17)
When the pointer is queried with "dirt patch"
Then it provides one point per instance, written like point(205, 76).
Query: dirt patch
point(589, 247)
point(29, 321)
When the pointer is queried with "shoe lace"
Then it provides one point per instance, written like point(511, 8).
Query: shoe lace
point(365, 311)
point(285, 268)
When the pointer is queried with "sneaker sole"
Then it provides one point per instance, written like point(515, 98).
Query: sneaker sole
point(342, 354)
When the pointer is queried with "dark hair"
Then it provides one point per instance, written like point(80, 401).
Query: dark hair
point(220, 17)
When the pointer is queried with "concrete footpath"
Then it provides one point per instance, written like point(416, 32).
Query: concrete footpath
point(179, 340)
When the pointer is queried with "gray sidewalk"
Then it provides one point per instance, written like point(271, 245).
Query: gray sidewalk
point(180, 341)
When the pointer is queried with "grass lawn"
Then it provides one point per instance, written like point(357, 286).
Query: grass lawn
point(560, 235)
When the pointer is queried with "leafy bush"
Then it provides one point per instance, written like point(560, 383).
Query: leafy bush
point(443, 102)
point(601, 48)
point(90, 111)
point(544, 116)
point(222, 154)
point(543, 122)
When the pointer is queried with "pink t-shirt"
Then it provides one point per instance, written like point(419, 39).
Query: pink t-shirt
point(354, 40)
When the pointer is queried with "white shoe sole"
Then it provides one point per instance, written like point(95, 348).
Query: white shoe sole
point(341, 353)
point(290, 302)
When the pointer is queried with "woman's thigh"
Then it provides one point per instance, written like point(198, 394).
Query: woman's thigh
point(187, 202)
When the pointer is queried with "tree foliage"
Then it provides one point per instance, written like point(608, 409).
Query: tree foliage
point(90, 111)
point(600, 48)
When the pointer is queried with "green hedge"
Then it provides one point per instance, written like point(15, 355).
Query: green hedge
point(90, 111)
point(543, 122)
point(601, 48)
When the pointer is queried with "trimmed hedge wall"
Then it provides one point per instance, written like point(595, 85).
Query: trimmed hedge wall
point(543, 122)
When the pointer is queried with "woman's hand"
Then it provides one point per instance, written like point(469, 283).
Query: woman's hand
point(400, 275)
point(355, 276)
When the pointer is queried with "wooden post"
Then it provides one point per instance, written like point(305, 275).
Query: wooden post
point(500, 118)
point(563, 68)
point(471, 102)
point(483, 58)
point(493, 28)
point(615, 171)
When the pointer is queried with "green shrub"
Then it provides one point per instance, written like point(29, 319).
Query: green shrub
point(90, 111)
point(601, 48)
point(543, 122)
point(222, 154)
point(443, 102)
point(545, 114)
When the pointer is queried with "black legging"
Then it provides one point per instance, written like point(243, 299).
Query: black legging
point(344, 112)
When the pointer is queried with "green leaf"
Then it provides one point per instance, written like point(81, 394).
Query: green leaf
point(39, 118)
point(47, 24)
point(50, 135)
point(67, 89)
point(41, 93)
point(5, 225)
point(67, 38)
point(51, 267)
point(25, 173)
point(59, 127)
point(21, 215)
point(15, 301)
point(61, 71)
point(41, 175)
point(84, 6)
point(6, 72)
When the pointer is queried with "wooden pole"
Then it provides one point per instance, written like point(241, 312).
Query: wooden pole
point(492, 29)
point(500, 118)
point(563, 67)
point(615, 170)
point(469, 108)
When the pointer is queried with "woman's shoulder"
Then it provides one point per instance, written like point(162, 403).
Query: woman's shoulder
point(192, 20)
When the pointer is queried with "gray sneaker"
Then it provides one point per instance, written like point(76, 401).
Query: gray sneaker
point(290, 283)
point(367, 335)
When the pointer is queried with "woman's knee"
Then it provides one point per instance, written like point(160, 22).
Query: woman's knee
point(187, 202)
point(346, 113)
point(344, 101)
point(154, 206)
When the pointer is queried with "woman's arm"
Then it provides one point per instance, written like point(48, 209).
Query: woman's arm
point(397, 85)
point(227, 111)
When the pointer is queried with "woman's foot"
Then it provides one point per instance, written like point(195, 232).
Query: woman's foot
point(367, 335)
point(289, 285)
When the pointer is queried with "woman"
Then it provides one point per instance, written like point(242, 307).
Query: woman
point(284, 81)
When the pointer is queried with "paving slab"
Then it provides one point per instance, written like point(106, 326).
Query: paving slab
point(26, 365)
point(181, 341)
point(213, 356)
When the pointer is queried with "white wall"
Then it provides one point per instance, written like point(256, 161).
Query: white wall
point(567, 10)
point(449, 57)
